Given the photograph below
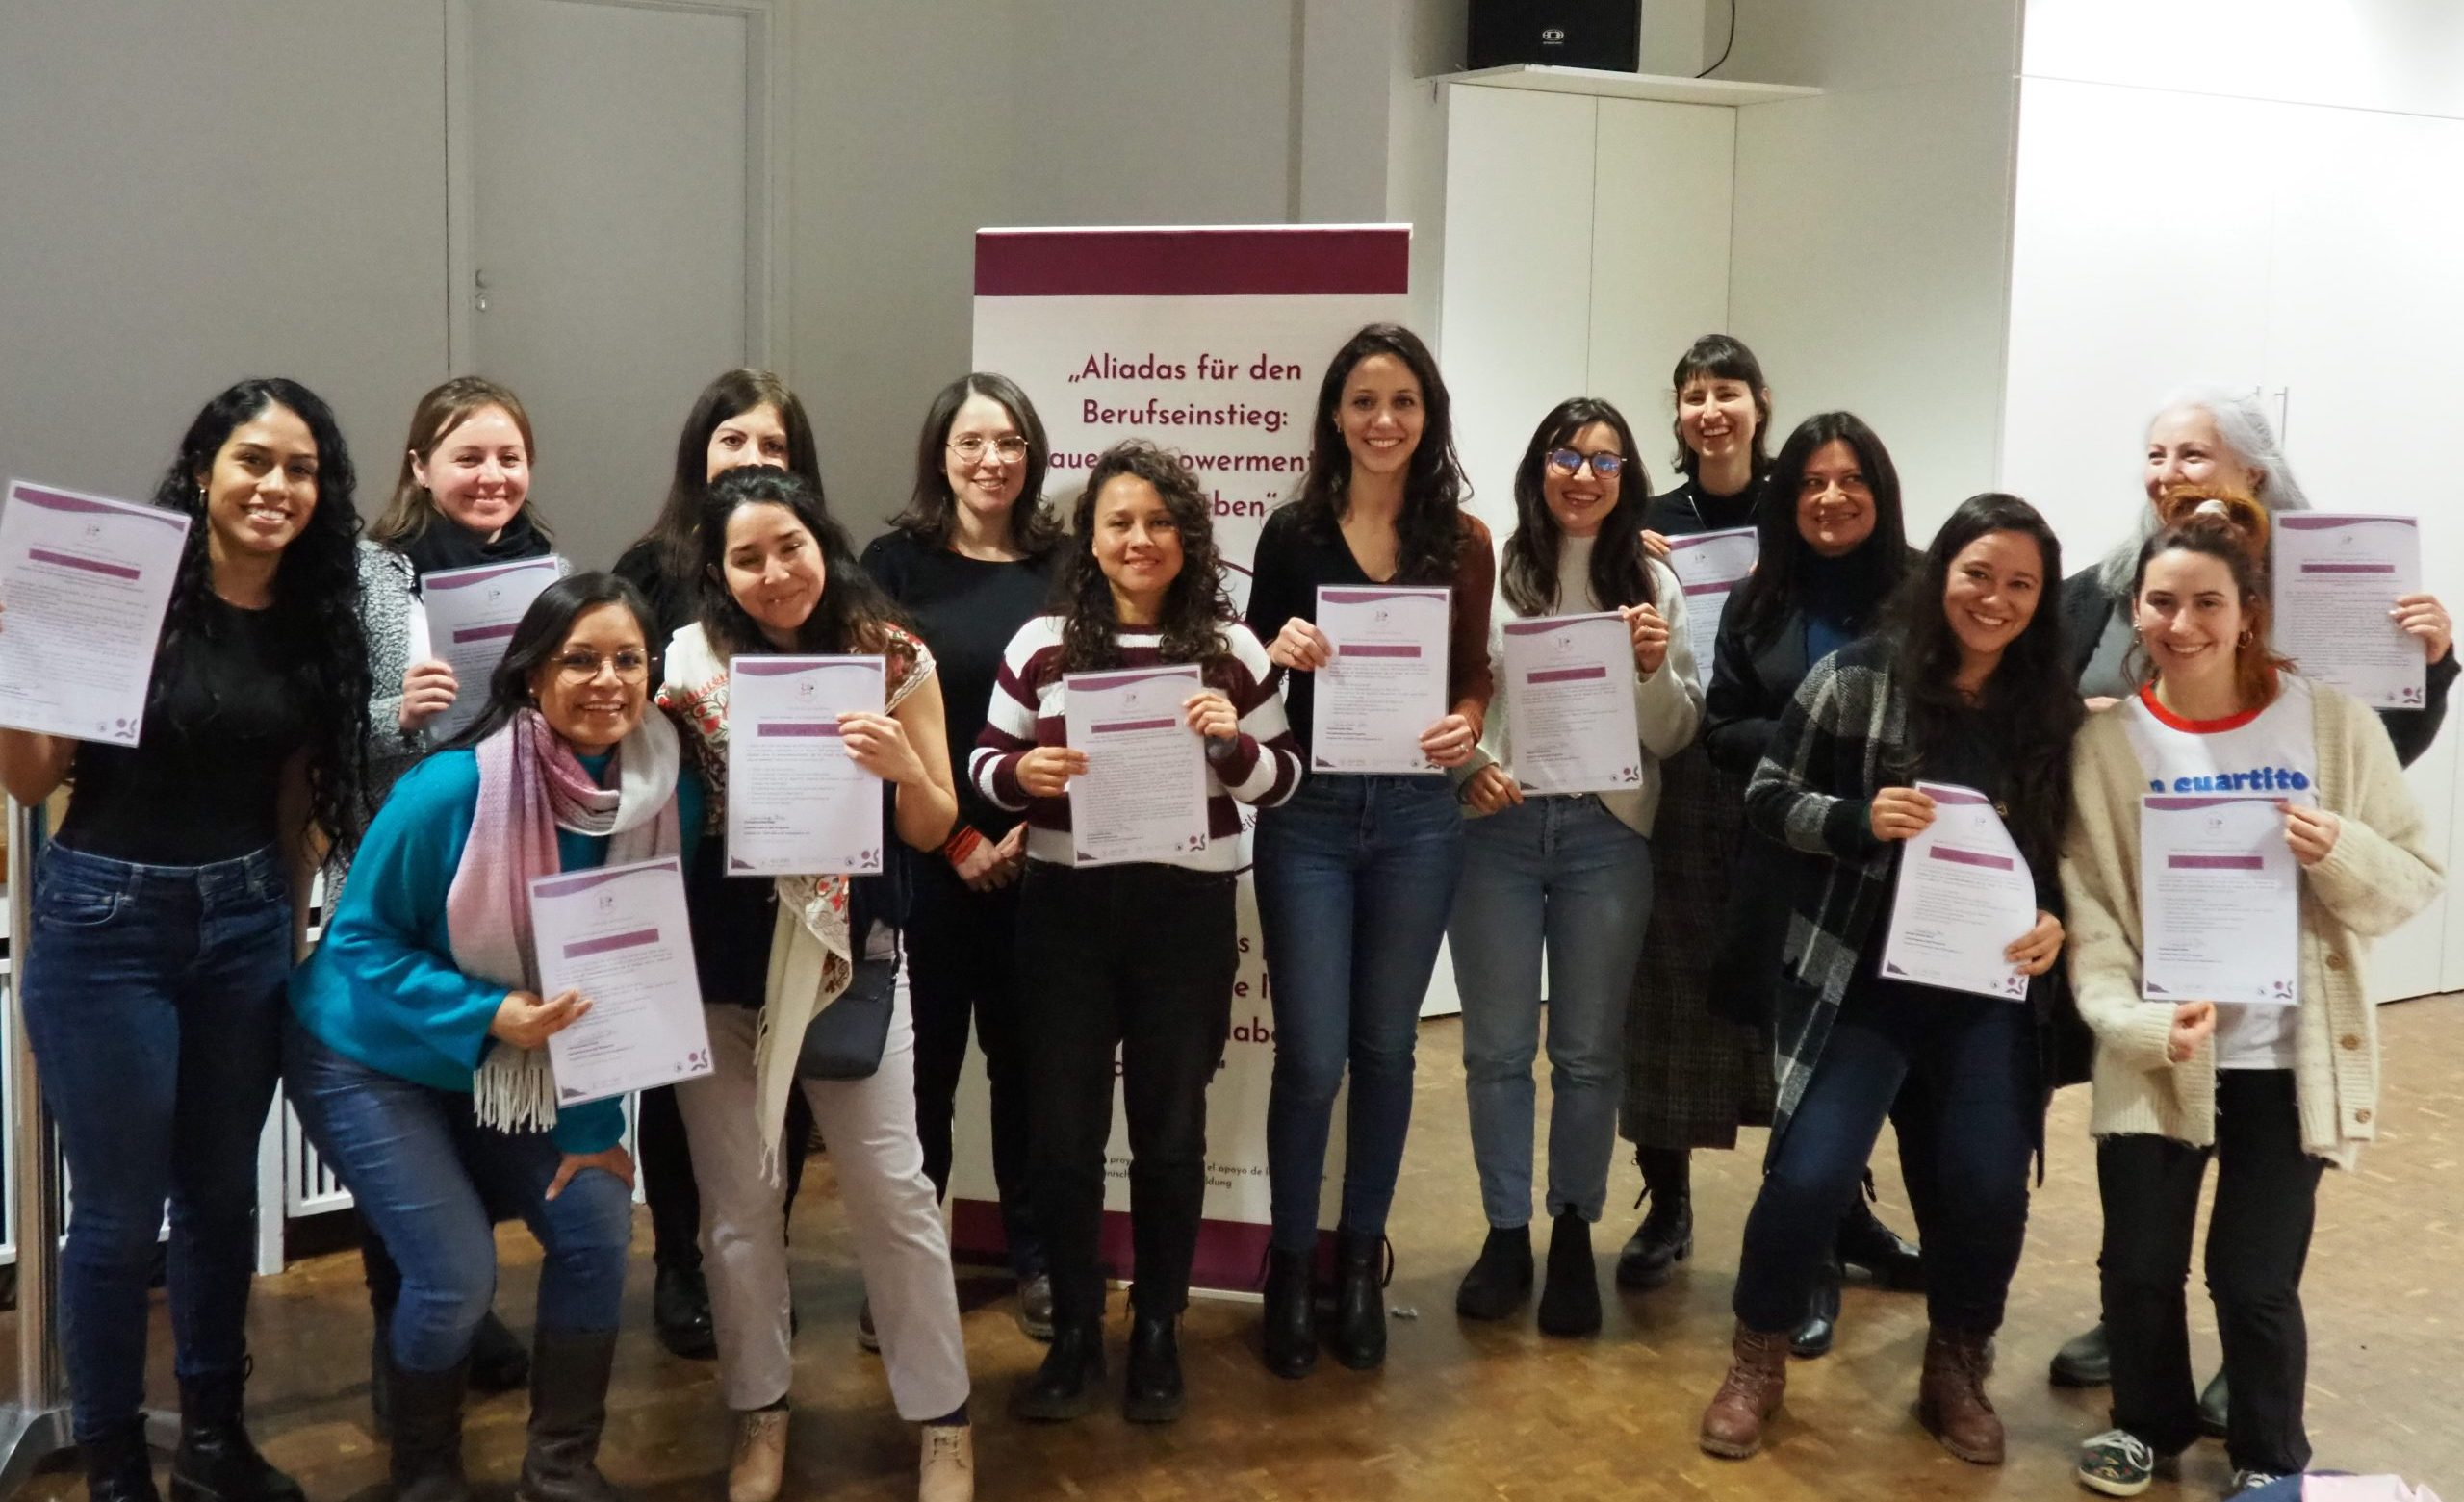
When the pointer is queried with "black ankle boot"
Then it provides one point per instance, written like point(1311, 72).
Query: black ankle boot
point(117, 1466)
point(499, 1362)
point(1154, 1394)
point(569, 1373)
point(1500, 1281)
point(1359, 1340)
point(1291, 1327)
point(1888, 1258)
point(680, 1313)
point(1065, 1386)
point(427, 1411)
point(1666, 1236)
point(216, 1463)
point(1821, 1327)
point(1569, 1300)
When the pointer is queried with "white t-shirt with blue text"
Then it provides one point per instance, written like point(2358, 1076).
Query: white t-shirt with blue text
point(2272, 753)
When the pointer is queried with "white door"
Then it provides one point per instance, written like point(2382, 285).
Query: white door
point(603, 167)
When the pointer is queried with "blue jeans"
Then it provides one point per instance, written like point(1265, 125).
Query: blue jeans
point(1956, 1075)
point(1565, 875)
point(1354, 878)
point(154, 1003)
point(433, 1183)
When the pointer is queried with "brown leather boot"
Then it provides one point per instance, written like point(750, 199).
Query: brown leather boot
point(1757, 1374)
point(1951, 1402)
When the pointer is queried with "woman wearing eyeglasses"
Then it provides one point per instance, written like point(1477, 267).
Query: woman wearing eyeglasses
point(1565, 875)
point(416, 1060)
point(970, 560)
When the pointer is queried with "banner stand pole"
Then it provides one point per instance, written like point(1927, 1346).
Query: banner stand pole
point(34, 1428)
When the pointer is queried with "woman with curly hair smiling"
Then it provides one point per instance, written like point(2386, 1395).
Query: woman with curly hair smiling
point(169, 909)
point(1137, 957)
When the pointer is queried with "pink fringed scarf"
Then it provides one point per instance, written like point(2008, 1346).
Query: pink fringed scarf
point(530, 785)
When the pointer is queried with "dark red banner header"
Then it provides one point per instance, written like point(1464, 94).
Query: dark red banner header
point(1296, 261)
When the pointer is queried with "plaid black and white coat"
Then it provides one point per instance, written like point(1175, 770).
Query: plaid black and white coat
point(1842, 738)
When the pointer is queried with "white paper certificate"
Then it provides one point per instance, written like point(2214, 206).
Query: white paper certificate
point(1142, 795)
point(1386, 685)
point(797, 803)
point(471, 616)
point(1965, 895)
point(1570, 703)
point(2336, 578)
point(2219, 900)
point(1708, 565)
point(618, 935)
point(86, 581)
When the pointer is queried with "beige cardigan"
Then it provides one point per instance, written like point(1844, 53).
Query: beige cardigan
point(2381, 873)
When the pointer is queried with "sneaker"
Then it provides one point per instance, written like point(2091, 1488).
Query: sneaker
point(2247, 1481)
point(2115, 1463)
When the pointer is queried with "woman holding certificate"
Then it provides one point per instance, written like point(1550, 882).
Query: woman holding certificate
point(1692, 1075)
point(417, 1059)
point(462, 499)
point(1832, 549)
point(1964, 690)
point(167, 913)
point(1591, 659)
point(781, 592)
point(2271, 1090)
point(742, 417)
point(1355, 874)
point(2209, 437)
point(971, 561)
point(1126, 939)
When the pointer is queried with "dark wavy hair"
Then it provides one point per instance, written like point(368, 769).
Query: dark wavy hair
point(440, 412)
point(1431, 531)
point(1196, 606)
point(853, 613)
point(541, 635)
point(2230, 526)
point(2029, 706)
point(1618, 577)
point(1721, 358)
point(730, 395)
point(316, 592)
point(1777, 584)
point(1033, 526)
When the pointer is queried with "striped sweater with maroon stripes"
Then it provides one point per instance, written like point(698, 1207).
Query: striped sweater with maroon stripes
point(1029, 710)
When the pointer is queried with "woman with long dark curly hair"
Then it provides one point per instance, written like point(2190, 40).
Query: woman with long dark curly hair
point(1355, 874)
point(1135, 958)
point(970, 560)
point(1966, 684)
point(169, 909)
point(778, 576)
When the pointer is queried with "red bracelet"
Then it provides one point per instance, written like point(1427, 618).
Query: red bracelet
point(961, 844)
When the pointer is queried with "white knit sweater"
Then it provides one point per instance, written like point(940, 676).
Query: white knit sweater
point(2381, 873)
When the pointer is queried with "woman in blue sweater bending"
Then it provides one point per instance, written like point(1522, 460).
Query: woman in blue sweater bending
point(425, 991)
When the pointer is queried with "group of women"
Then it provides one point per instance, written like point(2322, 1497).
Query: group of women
point(1705, 940)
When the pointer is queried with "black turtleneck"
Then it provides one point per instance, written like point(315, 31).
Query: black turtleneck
point(1689, 509)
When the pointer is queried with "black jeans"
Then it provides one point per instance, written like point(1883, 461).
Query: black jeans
point(1956, 1075)
point(2258, 1237)
point(962, 967)
point(1135, 961)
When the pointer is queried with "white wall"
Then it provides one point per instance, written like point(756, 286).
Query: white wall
point(1845, 46)
point(193, 194)
point(2399, 55)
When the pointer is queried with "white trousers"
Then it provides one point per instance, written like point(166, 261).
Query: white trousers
point(900, 1240)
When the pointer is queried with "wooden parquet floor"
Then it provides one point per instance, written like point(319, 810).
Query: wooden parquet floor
point(1496, 1412)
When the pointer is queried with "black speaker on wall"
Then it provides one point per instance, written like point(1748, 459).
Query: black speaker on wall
point(1603, 34)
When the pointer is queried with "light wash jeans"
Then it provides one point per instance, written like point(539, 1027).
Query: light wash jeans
point(1557, 875)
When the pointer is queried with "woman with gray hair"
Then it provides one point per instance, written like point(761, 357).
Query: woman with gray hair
point(2208, 436)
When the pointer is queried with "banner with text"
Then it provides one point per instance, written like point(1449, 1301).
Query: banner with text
point(1210, 341)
